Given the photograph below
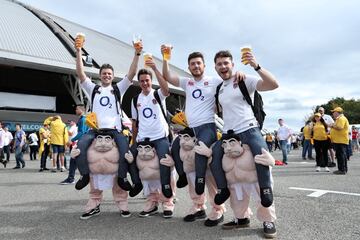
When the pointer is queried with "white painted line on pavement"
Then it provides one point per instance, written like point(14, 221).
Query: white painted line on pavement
point(320, 192)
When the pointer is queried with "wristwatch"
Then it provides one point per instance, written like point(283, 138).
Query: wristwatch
point(257, 68)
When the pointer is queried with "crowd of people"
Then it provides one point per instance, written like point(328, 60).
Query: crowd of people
point(152, 138)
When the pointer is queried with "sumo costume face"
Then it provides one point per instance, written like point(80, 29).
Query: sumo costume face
point(189, 145)
point(103, 156)
point(239, 166)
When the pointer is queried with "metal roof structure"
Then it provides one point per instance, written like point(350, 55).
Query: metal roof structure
point(35, 39)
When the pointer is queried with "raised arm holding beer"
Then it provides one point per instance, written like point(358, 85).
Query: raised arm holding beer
point(108, 116)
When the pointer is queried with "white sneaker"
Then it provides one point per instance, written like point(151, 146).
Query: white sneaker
point(317, 169)
point(327, 169)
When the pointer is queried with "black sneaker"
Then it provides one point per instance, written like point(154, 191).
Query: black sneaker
point(41, 169)
point(182, 181)
point(125, 214)
point(67, 182)
point(331, 164)
point(192, 217)
point(166, 190)
point(46, 169)
point(237, 223)
point(91, 213)
point(17, 167)
point(168, 214)
point(338, 172)
point(149, 213)
point(266, 197)
point(269, 230)
point(136, 189)
point(213, 223)
point(199, 185)
point(82, 182)
point(222, 195)
point(124, 184)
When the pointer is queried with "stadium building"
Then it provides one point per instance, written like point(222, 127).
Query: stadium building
point(37, 66)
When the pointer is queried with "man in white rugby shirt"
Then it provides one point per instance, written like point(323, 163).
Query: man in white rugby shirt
point(200, 115)
point(108, 114)
point(239, 117)
point(199, 111)
point(149, 124)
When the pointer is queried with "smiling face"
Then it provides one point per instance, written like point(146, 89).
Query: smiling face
point(196, 67)
point(145, 83)
point(232, 148)
point(106, 76)
point(223, 67)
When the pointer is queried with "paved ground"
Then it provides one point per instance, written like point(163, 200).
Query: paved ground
point(34, 206)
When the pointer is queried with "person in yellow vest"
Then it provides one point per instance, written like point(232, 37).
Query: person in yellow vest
point(44, 149)
point(339, 134)
point(321, 143)
point(307, 145)
point(59, 139)
point(269, 141)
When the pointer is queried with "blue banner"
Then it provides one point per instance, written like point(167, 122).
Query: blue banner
point(26, 126)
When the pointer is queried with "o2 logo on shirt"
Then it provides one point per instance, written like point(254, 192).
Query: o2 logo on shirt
point(197, 94)
point(105, 101)
point(148, 113)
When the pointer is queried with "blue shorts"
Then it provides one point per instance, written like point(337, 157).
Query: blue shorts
point(57, 148)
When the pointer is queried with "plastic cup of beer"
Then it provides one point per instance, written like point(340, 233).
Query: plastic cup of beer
point(167, 52)
point(147, 56)
point(81, 39)
point(245, 49)
point(137, 41)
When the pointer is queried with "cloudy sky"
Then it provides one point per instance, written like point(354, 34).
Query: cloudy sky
point(312, 47)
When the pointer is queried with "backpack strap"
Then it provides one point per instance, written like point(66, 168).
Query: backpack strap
point(217, 103)
point(246, 94)
point(117, 95)
point(135, 100)
point(95, 91)
point(157, 97)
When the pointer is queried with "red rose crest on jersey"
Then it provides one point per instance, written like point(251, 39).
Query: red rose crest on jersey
point(154, 101)
point(191, 83)
point(138, 105)
point(206, 83)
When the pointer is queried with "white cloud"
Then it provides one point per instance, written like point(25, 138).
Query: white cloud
point(310, 46)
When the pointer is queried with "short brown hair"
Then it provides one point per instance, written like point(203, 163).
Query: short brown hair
point(196, 55)
point(144, 72)
point(106, 66)
point(222, 54)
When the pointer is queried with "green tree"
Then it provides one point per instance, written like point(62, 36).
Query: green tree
point(351, 108)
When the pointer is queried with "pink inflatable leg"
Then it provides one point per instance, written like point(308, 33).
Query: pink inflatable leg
point(95, 197)
point(240, 207)
point(120, 197)
point(216, 210)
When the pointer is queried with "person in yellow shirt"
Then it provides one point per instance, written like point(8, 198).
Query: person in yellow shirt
point(339, 134)
point(321, 143)
point(44, 149)
point(307, 145)
point(269, 141)
point(59, 139)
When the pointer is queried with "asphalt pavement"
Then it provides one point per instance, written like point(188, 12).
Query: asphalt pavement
point(309, 205)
